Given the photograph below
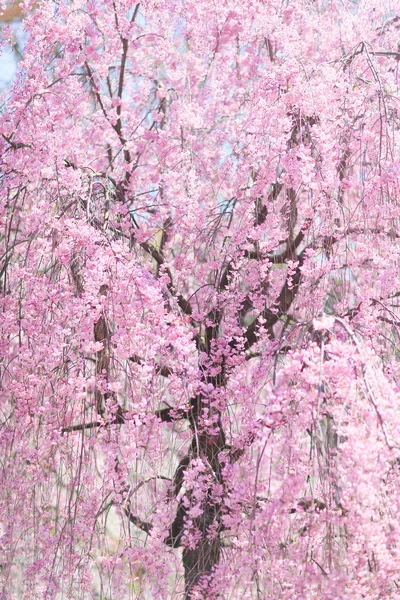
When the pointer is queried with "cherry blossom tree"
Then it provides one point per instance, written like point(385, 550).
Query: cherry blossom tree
point(199, 301)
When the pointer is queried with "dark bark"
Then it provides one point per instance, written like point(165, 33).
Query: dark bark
point(199, 562)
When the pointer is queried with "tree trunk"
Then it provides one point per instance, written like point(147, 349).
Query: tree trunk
point(199, 562)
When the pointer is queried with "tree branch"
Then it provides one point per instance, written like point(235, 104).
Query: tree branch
point(183, 304)
point(119, 420)
point(283, 303)
point(163, 371)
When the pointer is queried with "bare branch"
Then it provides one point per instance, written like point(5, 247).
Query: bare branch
point(119, 420)
point(143, 525)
